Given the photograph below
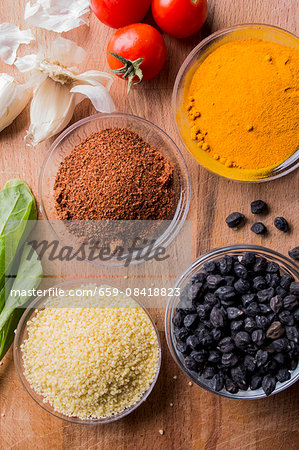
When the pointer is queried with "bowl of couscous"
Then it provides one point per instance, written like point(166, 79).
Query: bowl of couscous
point(90, 355)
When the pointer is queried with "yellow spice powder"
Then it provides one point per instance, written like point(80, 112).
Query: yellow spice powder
point(243, 104)
point(91, 362)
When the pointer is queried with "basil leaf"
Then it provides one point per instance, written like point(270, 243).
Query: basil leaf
point(17, 215)
point(7, 333)
point(28, 278)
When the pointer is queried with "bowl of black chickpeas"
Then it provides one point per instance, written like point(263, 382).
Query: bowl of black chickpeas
point(233, 325)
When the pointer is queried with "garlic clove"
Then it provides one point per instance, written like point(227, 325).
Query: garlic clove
point(94, 77)
point(13, 99)
point(51, 110)
point(95, 85)
point(98, 95)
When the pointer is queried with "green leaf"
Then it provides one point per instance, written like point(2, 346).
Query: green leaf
point(17, 182)
point(17, 215)
point(7, 333)
point(5, 291)
point(28, 278)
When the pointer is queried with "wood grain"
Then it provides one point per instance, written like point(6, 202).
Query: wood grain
point(197, 420)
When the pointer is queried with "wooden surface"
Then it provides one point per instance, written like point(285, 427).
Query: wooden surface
point(198, 419)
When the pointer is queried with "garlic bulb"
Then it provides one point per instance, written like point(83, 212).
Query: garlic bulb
point(13, 99)
point(51, 110)
point(60, 88)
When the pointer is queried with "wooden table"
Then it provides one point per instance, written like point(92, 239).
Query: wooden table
point(198, 419)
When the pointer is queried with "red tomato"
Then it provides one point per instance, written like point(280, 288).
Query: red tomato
point(180, 18)
point(118, 13)
point(138, 48)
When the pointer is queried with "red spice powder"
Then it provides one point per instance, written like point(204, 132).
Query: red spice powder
point(115, 175)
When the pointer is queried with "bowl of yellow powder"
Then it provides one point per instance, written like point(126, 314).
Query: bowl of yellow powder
point(88, 354)
point(236, 103)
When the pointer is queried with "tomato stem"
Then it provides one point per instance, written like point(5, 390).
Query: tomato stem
point(130, 69)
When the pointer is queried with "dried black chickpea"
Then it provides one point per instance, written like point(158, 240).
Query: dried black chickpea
point(234, 219)
point(237, 323)
point(258, 207)
point(294, 253)
point(259, 228)
point(281, 224)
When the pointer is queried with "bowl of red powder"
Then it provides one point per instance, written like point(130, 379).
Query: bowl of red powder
point(117, 180)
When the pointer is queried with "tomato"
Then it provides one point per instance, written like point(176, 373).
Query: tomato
point(180, 18)
point(118, 13)
point(139, 52)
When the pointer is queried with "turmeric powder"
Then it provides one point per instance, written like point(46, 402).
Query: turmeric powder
point(243, 104)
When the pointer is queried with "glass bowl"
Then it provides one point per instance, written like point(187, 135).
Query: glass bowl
point(286, 265)
point(82, 129)
point(22, 334)
point(182, 85)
